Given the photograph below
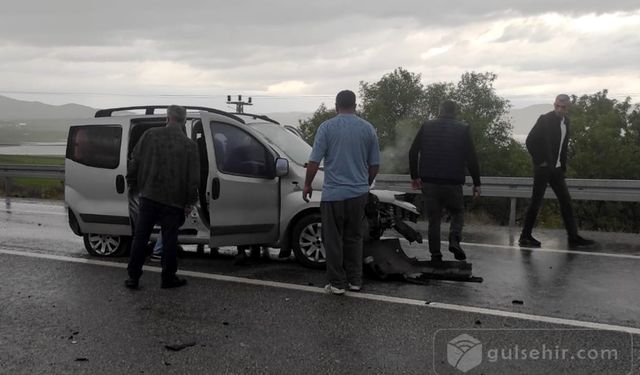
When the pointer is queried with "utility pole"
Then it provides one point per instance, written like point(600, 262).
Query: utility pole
point(239, 103)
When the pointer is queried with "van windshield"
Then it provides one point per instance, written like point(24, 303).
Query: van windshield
point(294, 147)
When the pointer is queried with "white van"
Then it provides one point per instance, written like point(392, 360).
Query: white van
point(252, 174)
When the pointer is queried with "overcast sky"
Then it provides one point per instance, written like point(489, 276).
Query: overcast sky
point(292, 55)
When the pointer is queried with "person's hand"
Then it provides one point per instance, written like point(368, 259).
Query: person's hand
point(307, 192)
point(416, 184)
point(187, 210)
point(476, 192)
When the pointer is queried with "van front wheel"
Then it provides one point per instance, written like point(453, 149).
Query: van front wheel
point(106, 245)
point(307, 242)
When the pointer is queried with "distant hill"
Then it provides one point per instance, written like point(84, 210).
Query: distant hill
point(289, 118)
point(32, 121)
point(14, 109)
point(39, 116)
point(523, 119)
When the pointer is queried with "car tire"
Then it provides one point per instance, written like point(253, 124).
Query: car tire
point(106, 245)
point(306, 241)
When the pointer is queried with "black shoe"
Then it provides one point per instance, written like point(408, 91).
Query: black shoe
point(457, 251)
point(436, 258)
point(131, 283)
point(578, 241)
point(176, 282)
point(529, 241)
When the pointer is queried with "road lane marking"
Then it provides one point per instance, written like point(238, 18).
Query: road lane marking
point(366, 296)
point(542, 250)
point(13, 211)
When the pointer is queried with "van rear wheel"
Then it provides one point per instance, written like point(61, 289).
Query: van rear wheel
point(106, 245)
point(307, 242)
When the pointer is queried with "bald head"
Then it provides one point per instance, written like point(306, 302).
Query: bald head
point(177, 114)
point(561, 105)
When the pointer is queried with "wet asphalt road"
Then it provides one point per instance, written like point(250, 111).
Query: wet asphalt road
point(55, 313)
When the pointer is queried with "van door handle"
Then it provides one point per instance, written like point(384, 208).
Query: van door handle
point(215, 188)
point(120, 184)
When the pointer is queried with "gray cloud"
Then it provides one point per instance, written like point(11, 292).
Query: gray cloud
point(92, 22)
point(297, 48)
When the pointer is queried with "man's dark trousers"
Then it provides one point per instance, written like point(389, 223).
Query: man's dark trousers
point(170, 219)
point(554, 177)
point(342, 239)
point(436, 197)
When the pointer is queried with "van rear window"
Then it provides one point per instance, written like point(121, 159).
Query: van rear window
point(95, 145)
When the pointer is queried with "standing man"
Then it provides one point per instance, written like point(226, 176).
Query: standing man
point(164, 170)
point(547, 143)
point(349, 147)
point(440, 152)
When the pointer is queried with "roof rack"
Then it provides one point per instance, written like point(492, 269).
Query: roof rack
point(261, 117)
point(150, 110)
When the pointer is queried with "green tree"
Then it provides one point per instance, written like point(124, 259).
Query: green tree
point(604, 144)
point(309, 126)
point(487, 114)
point(397, 96)
point(604, 138)
point(399, 102)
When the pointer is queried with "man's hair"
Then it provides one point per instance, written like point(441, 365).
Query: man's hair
point(563, 98)
point(448, 108)
point(346, 99)
point(176, 112)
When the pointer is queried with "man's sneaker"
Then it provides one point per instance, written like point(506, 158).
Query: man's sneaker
point(529, 241)
point(333, 290)
point(175, 282)
point(578, 241)
point(354, 288)
point(436, 258)
point(131, 283)
point(457, 251)
point(155, 257)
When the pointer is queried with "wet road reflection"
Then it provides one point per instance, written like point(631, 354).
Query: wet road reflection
point(594, 285)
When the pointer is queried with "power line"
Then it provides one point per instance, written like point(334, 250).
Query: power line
point(262, 96)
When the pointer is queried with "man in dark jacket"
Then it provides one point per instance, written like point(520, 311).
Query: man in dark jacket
point(164, 171)
point(439, 155)
point(547, 143)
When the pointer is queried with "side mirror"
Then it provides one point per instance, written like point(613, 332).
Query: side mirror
point(282, 167)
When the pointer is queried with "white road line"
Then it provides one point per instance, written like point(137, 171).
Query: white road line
point(543, 250)
point(13, 211)
point(366, 296)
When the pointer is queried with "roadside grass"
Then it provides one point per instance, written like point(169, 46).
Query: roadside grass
point(32, 159)
point(43, 188)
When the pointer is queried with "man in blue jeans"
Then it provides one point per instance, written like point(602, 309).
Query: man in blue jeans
point(349, 147)
point(156, 255)
point(164, 170)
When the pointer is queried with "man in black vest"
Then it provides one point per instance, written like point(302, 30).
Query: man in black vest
point(439, 155)
point(547, 143)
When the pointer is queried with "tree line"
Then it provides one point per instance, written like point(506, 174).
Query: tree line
point(604, 143)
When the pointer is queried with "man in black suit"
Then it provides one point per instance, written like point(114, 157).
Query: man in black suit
point(547, 143)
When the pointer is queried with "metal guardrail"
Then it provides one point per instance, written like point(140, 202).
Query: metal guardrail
point(520, 187)
point(32, 171)
point(7, 172)
point(504, 187)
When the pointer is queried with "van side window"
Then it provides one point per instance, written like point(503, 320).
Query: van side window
point(238, 152)
point(138, 128)
point(95, 146)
